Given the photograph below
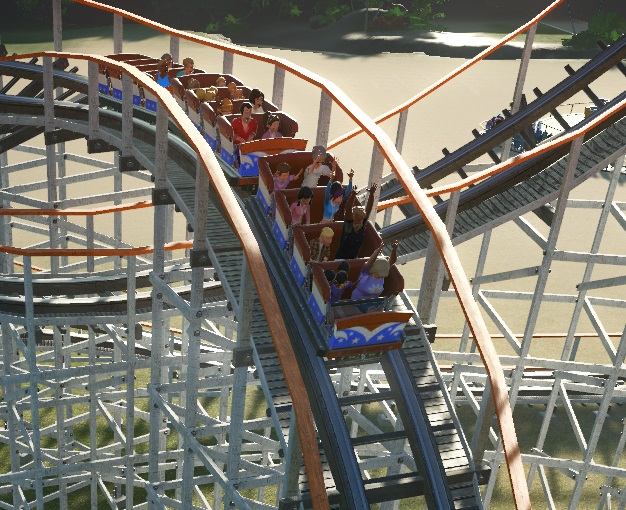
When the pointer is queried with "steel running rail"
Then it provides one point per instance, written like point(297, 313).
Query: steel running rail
point(448, 254)
point(306, 428)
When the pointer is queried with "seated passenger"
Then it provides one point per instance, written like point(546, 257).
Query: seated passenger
point(220, 82)
point(354, 224)
point(315, 170)
point(162, 77)
point(301, 208)
point(272, 124)
point(256, 97)
point(372, 278)
point(225, 107)
point(282, 178)
point(335, 194)
point(339, 285)
point(320, 246)
point(188, 67)
point(238, 94)
point(244, 127)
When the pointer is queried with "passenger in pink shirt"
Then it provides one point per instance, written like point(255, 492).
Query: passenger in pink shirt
point(301, 208)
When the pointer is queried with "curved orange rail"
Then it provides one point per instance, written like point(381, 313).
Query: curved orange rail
point(74, 212)
point(448, 77)
point(258, 270)
point(259, 273)
point(520, 158)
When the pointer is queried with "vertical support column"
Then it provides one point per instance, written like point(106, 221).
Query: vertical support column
point(93, 98)
point(519, 84)
point(51, 166)
point(376, 174)
point(93, 416)
point(227, 66)
point(31, 359)
point(402, 119)
point(430, 288)
point(118, 33)
point(62, 220)
point(242, 358)
point(9, 356)
point(175, 48)
point(159, 333)
point(199, 259)
point(90, 244)
point(131, 267)
point(323, 120)
point(6, 238)
point(127, 116)
point(60, 412)
point(57, 24)
point(279, 87)
point(117, 216)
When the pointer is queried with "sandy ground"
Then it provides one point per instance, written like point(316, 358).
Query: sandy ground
point(378, 82)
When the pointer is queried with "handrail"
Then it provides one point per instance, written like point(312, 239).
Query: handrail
point(295, 384)
point(74, 212)
point(93, 252)
point(505, 165)
point(448, 77)
point(261, 278)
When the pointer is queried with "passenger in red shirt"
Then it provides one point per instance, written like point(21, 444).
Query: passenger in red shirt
point(244, 127)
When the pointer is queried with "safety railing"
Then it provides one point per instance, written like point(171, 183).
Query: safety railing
point(387, 150)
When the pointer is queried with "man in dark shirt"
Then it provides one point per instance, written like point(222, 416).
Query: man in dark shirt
point(354, 224)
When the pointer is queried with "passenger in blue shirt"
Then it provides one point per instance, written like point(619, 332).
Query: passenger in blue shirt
point(335, 194)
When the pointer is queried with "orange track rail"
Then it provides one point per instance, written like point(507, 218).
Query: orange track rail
point(259, 273)
point(500, 167)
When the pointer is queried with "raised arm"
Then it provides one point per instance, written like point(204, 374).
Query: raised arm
point(347, 215)
point(374, 256)
point(393, 257)
point(370, 201)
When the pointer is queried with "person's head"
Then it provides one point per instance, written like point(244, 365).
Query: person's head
point(162, 66)
point(305, 195)
point(336, 193)
point(232, 86)
point(330, 275)
point(380, 268)
point(273, 122)
point(226, 106)
point(193, 84)
point(238, 94)
point(326, 236)
point(283, 169)
point(167, 57)
point(220, 82)
point(358, 216)
point(188, 65)
point(210, 94)
point(318, 153)
point(341, 277)
point(256, 97)
point(343, 266)
point(246, 110)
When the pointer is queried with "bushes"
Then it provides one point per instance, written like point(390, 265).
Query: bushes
point(419, 15)
point(607, 27)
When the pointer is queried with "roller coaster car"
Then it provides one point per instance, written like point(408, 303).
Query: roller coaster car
point(350, 331)
point(303, 234)
point(250, 152)
point(282, 215)
point(297, 160)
